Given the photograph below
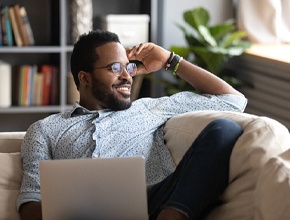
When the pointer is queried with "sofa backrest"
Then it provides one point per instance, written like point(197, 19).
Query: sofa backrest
point(10, 173)
point(10, 141)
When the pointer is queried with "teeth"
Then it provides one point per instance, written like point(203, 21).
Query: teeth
point(123, 88)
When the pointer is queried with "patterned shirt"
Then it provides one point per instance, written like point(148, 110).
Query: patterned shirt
point(137, 131)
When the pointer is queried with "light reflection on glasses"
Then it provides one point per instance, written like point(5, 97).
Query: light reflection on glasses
point(117, 68)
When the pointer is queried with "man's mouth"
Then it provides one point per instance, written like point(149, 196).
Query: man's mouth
point(124, 89)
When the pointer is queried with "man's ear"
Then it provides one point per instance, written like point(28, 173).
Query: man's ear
point(84, 78)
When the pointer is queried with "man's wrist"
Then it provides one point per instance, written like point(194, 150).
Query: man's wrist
point(173, 62)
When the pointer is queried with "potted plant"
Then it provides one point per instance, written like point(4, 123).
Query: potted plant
point(210, 47)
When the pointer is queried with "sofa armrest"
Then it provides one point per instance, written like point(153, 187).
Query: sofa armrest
point(273, 189)
point(262, 139)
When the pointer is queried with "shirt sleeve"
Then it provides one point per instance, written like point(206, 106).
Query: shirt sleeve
point(196, 102)
point(34, 148)
point(183, 102)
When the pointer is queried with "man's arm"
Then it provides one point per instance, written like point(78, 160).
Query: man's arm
point(34, 148)
point(31, 211)
point(204, 81)
point(155, 57)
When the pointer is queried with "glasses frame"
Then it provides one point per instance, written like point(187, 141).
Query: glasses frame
point(117, 73)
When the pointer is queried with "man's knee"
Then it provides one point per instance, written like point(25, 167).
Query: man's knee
point(224, 132)
point(227, 126)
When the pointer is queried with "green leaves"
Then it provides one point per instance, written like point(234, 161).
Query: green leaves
point(181, 51)
point(196, 17)
point(211, 46)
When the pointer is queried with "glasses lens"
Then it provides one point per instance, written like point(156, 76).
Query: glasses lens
point(131, 69)
point(117, 68)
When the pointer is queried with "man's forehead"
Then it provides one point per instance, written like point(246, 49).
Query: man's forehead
point(111, 52)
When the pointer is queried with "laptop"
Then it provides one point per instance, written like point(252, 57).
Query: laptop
point(107, 188)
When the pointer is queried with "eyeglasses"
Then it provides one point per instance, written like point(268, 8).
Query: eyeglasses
point(117, 68)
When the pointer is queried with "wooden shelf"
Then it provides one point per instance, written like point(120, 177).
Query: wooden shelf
point(274, 52)
point(50, 23)
point(32, 49)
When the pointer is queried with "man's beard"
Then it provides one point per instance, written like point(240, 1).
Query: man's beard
point(100, 92)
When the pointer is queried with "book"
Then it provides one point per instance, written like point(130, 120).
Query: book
point(31, 91)
point(20, 25)
point(1, 36)
point(7, 35)
point(15, 85)
point(26, 86)
point(5, 84)
point(29, 75)
point(26, 26)
point(15, 28)
point(46, 83)
point(22, 86)
point(37, 94)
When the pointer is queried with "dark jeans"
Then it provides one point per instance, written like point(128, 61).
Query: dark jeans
point(202, 174)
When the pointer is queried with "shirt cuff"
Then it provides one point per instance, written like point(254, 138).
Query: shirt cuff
point(27, 197)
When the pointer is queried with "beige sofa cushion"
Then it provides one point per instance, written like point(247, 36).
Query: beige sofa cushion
point(262, 138)
point(11, 141)
point(274, 178)
point(10, 181)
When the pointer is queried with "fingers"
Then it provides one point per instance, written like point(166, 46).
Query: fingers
point(130, 52)
point(135, 50)
point(139, 48)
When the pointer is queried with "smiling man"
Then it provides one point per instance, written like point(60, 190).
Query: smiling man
point(108, 92)
point(106, 123)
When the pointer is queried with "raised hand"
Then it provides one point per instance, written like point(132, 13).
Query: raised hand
point(152, 56)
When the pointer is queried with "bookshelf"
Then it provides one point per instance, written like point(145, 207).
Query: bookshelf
point(50, 22)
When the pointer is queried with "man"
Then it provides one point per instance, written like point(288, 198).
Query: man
point(105, 123)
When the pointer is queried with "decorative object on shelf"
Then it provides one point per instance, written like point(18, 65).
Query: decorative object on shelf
point(5, 80)
point(81, 18)
point(210, 47)
point(131, 29)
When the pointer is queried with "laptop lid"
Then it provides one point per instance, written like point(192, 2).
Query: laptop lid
point(107, 188)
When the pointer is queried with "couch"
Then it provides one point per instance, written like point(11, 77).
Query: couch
point(259, 180)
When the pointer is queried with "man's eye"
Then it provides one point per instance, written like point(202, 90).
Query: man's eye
point(115, 68)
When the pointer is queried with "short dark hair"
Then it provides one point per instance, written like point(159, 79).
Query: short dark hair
point(84, 54)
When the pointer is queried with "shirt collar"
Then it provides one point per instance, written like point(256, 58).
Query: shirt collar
point(79, 110)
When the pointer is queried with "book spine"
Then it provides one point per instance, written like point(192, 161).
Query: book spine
point(27, 27)
point(1, 27)
point(20, 25)
point(5, 84)
point(27, 85)
point(15, 28)
point(21, 85)
point(33, 70)
point(37, 96)
point(47, 75)
point(6, 27)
